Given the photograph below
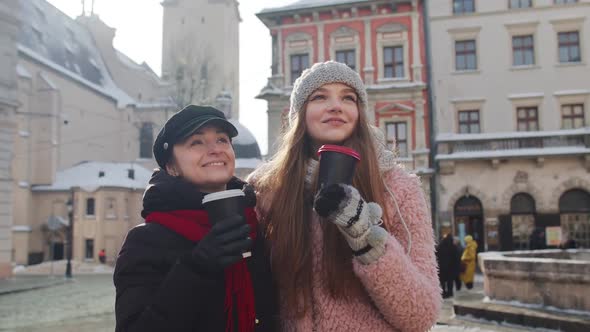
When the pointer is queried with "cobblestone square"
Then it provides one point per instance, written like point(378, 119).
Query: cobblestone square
point(86, 303)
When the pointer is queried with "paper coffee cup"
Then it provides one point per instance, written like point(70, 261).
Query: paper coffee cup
point(337, 164)
point(222, 204)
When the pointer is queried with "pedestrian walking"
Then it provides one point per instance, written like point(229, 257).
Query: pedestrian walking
point(354, 257)
point(177, 272)
point(102, 256)
point(468, 260)
point(448, 266)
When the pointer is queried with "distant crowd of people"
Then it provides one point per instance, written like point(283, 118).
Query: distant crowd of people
point(456, 264)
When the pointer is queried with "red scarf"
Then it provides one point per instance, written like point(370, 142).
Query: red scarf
point(193, 225)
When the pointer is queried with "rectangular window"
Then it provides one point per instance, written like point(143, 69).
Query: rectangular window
point(146, 140)
point(347, 57)
point(89, 249)
point(523, 51)
point(397, 135)
point(572, 116)
point(111, 208)
point(527, 118)
point(520, 3)
point(90, 206)
point(463, 6)
point(393, 62)
point(563, 2)
point(569, 46)
point(299, 62)
point(469, 122)
point(465, 55)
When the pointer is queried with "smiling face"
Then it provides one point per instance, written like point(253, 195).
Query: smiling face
point(205, 159)
point(331, 114)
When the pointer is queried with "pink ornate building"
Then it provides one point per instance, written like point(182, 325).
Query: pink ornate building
point(382, 40)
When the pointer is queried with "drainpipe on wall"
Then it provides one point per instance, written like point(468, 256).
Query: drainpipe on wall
point(432, 117)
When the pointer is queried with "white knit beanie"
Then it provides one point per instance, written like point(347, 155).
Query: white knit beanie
point(324, 73)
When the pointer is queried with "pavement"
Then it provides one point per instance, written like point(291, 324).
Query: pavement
point(35, 303)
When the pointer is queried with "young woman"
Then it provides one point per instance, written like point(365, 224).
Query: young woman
point(345, 258)
point(177, 272)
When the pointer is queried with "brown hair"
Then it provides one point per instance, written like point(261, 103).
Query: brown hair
point(287, 219)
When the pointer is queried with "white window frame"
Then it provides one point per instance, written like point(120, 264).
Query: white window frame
point(523, 29)
point(569, 25)
point(344, 39)
point(475, 104)
point(528, 101)
point(463, 34)
point(392, 35)
point(297, 43)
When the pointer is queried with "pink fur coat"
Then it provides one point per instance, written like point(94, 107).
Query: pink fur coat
point(402, 290)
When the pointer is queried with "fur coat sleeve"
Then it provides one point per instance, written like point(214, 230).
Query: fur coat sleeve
point(403, 283)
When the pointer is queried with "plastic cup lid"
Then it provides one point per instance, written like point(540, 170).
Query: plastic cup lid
point(222, 194)
point(341, 149)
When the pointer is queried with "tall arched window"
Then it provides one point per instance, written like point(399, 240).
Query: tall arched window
point(522, 209)
point(574, 210)
point(90, 207)
point(146, 140)
point(468, 213)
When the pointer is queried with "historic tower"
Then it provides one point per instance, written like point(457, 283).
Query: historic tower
point(200, 45)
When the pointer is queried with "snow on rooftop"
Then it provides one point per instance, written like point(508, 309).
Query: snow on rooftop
point(396, 85)
point(109, 89)
point(531, 152)
point(86, 175)
point(526, 95)
point(304, 4)
point(572, 92)
point(451, 137)
point(22, 71)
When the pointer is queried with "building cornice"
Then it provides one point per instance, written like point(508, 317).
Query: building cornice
point(508, 11)
point(264, 16)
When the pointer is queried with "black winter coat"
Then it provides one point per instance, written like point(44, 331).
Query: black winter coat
point(158, 290)
point(446, 255)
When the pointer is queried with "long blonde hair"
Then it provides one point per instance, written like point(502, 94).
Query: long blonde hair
point(287, 219)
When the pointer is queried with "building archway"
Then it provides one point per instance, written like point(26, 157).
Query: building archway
point(522, 212)
point(574, 213)
point(468, 219)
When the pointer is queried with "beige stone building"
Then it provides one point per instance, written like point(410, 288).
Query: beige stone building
point(512, 119)
point(105, 200)
point(8, 105)
point(68, 96)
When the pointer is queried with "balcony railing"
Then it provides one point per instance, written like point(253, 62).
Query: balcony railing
point(514, 144)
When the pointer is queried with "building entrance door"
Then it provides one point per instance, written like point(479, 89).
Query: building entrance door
point(468, 214)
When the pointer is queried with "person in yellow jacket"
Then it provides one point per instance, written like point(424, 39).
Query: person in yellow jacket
point(468, 261)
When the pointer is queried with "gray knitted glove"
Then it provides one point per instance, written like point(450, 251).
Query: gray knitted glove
point(356, 219)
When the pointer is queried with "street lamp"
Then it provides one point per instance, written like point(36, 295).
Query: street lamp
point(70, 207)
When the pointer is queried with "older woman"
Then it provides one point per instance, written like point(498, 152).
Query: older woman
point(177, 272)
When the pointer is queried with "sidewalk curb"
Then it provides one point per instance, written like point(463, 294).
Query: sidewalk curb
point(29, 288)
point(528, 318)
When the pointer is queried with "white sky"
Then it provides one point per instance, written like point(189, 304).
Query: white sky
point(139, 36)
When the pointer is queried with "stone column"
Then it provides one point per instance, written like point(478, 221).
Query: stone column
point(9, 25)
point(416, 44)
point(420, 152)
point(369, 69)
point(321, 55)
point(275, 122)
